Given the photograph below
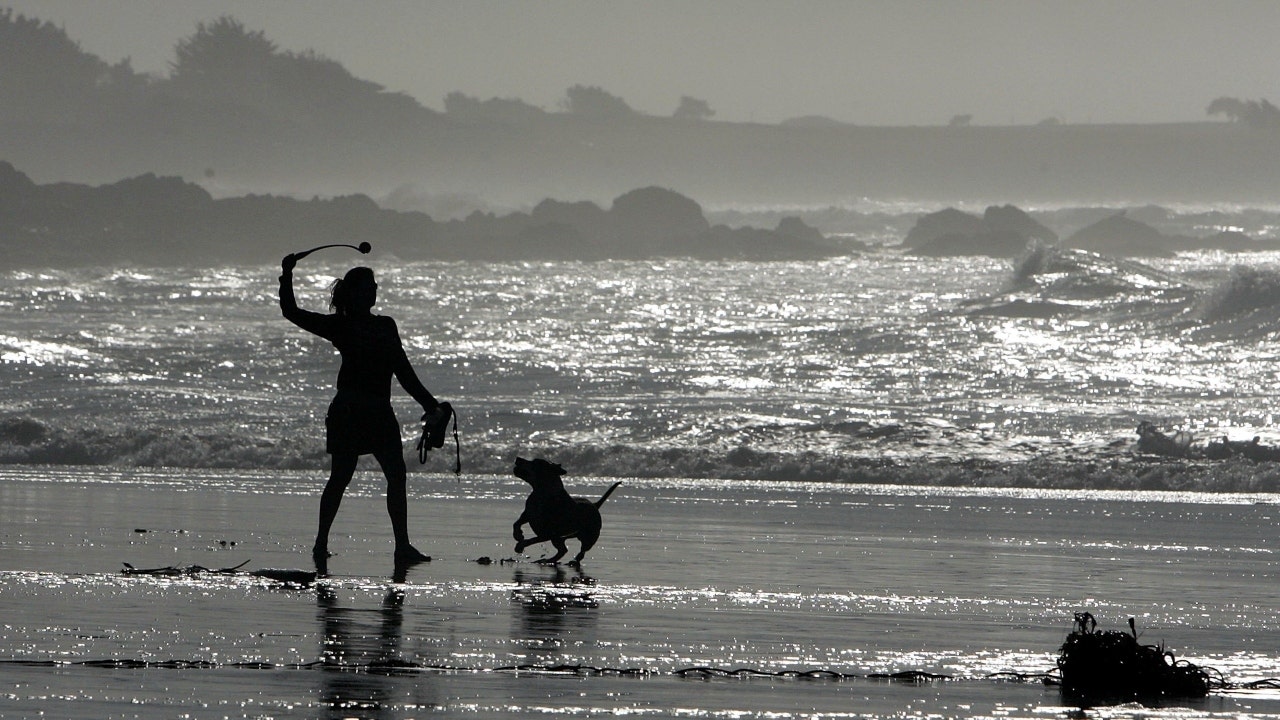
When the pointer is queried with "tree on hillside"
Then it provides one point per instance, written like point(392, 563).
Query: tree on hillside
point(1252, 113)
point(223, 59)
point(593, 101)
point(46, 76)
point(225, 64)
point(691, 108)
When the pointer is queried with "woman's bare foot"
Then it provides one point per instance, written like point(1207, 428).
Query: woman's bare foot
point(410, 554)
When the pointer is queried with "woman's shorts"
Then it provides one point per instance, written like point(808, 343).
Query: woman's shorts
point(359, 428)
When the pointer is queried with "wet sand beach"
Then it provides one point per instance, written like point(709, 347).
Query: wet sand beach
point(691, 580)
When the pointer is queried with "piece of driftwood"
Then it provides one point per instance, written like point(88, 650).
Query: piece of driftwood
point(1108, 666)
point(297, 577)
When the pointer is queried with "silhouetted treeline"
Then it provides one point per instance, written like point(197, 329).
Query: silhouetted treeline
point(231, 97)
point(150, 220)
point(1256, 114)
point(242, 115)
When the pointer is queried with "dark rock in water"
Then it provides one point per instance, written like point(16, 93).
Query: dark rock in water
point(653, 216)
point(166, 220)
point(794, 227)
point(949, 221)
point(572, 214)
point(1121, 236)
point(1012, 219)
point(1000, 232)
point(14, 185)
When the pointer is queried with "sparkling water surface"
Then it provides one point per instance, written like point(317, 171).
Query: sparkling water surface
point(626, 363)
point(172, 417)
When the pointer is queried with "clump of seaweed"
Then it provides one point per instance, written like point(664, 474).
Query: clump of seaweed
point(1111, 666)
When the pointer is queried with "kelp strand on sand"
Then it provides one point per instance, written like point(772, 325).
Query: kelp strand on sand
point(298, 577)
point(1100, 666)
point(401, 667)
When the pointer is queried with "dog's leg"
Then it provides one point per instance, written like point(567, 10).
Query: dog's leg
point(588, 540)
point(516, 532)
point(522, 544)
point(561, 549)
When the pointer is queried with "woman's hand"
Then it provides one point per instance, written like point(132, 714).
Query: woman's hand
point(430, 409)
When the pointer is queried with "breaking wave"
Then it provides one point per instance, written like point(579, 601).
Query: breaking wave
point(1246, 290)
point(931, 453)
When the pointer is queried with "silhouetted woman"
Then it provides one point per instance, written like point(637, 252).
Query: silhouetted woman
point(360, 419)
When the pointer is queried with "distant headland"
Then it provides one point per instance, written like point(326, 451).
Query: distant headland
point(245, 116)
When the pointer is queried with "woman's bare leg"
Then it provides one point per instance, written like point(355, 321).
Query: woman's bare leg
point(398, 505)
point(340, 473)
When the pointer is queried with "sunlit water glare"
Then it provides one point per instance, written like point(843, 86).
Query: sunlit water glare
point(617, 363)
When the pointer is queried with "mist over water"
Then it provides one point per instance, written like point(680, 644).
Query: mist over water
point(665, 368)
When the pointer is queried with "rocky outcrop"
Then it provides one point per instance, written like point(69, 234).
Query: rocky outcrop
point(150, 220)
point(991, 243)
point(1121, 236)
point(943, 223)
point(1000, 232)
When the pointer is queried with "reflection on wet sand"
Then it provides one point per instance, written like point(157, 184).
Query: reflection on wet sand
point(554, 610)
point(362, 653)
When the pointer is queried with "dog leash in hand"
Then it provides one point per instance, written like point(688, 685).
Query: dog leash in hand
point(425, 442)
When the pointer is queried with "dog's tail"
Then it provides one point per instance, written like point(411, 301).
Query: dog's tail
point(607, 493)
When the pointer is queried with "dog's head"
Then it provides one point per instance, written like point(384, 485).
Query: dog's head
point(539, 473)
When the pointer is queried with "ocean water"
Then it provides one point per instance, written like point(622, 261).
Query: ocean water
point(670, 368)
point(783, 606)
point(760, 415)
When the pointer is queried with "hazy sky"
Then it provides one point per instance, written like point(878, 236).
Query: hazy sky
point(869, 62)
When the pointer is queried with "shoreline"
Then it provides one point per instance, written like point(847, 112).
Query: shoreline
point(1137, 473)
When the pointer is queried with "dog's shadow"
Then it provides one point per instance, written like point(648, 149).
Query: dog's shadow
point(552, 604)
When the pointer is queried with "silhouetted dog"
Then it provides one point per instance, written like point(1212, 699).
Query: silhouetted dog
point(553, 514)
